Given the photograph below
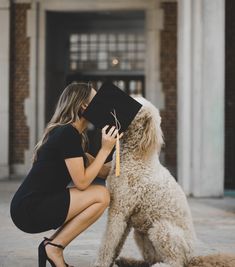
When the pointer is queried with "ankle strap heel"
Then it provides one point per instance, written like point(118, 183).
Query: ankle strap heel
point(55, 245)
point(42, 253)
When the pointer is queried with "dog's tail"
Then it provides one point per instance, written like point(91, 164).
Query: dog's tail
point(213, 260)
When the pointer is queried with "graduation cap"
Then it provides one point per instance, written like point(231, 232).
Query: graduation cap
point(112, 106)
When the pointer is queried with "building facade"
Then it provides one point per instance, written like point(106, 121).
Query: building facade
point(172, 52)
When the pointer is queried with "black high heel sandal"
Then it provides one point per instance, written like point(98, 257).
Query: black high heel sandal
point(42, 255)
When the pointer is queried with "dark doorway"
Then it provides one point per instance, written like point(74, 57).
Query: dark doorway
point(230, 96)
point(63, 61)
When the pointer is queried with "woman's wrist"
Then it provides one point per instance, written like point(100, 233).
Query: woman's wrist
point(105, 151)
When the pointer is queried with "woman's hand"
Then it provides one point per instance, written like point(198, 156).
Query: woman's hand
point(109, 139)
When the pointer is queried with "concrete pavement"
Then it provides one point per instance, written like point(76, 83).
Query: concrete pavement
point(214, 222)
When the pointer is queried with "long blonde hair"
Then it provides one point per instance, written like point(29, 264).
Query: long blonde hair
point(68, 110)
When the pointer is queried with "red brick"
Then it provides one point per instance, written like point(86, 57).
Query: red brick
point(19, 83)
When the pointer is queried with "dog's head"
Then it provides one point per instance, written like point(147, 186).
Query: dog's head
point(144, 134)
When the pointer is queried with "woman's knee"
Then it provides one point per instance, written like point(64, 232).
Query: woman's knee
point(94, 193)
point(103, 195)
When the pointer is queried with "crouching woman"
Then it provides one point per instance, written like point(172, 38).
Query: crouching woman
point(44, 201)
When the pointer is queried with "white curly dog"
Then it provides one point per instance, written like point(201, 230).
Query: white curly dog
point(146, 197)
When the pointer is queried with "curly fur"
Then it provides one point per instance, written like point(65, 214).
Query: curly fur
point(217, 260)
point(146, 197)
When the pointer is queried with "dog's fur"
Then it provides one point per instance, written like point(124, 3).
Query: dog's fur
point(147, 198)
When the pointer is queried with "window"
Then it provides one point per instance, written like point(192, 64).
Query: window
point(106, 51)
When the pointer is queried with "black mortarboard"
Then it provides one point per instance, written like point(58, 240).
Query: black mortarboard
point(108, 102)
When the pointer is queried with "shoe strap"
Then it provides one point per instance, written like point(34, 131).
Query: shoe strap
point(55, 245)
point(48, 239)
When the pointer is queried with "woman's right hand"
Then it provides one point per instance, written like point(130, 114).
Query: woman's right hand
point(109, 139)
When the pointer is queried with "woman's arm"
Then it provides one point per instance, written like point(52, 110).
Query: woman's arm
point(81, 176)
point(104, 171)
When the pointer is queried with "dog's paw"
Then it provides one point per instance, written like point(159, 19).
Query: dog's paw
point(129, 262)
point(160, 264)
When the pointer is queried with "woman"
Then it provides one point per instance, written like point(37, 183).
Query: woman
point(43, 201)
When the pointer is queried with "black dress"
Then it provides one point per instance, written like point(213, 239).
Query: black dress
point(42, 201)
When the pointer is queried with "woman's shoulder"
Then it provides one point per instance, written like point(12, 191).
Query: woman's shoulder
point(67, 131)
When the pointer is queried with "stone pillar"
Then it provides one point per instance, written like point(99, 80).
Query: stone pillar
point(184, 95)
point(31, 101)
point(208, 169)
point(201, 97)
point(154, 24)
point(4, 87)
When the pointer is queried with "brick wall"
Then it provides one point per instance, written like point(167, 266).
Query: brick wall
point(168, 78)
point(19, 83)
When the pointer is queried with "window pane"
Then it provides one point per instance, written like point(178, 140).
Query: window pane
point(93, 38)
point(131, 46)
point(102, 65)
point(121, 38)
point(74, 47)
point(84, 56)
point(73, 65)
point(103, 37)
point(74, 57)
point(131, 37)
point(102, 46)
point(74, 38)
point(121, 84)
point(83, 47)
point(121, 46)
point(112, 38)
point(102, 56)
point(112, 46)
point(93, 46)
point(93, 56)
point(84, 38)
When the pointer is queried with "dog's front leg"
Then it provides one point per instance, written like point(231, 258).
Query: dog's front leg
point(113, 239)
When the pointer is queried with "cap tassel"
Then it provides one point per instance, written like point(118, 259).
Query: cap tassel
point(118, 126)
point(117, 172)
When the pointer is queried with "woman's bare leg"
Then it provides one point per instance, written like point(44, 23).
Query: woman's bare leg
point(85, 208)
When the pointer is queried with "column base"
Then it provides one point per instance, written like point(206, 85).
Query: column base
point(4, 172)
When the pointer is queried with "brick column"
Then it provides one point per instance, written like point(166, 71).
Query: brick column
point(19, 88)
point(168, 78)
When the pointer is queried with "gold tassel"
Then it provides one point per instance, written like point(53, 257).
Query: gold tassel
point(118, 126)
point(117, 173)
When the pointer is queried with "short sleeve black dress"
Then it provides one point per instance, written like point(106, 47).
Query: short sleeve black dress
point(42, 201)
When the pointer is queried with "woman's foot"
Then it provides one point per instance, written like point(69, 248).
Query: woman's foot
point(51, 239)
point(55, 254)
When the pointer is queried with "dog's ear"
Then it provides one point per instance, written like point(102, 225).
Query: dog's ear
point(152, 136)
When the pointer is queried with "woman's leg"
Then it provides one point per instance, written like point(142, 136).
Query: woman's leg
point(85, 208)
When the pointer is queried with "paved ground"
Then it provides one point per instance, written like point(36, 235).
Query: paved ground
point(214, 222)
